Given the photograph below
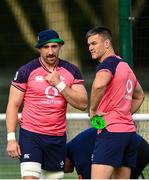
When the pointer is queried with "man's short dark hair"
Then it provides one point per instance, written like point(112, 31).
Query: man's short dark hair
point(103, 31)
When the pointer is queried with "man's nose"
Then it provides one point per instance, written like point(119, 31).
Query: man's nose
point(50, 51)
point(90, 47)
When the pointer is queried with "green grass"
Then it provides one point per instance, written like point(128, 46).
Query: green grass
point(12, 171)
point(71, 175)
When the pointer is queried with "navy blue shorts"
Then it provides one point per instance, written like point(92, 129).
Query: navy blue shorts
point(116, 149)
point(47, 150)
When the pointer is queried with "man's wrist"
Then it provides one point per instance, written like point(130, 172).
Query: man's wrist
point(11, 136)
point(60, 86)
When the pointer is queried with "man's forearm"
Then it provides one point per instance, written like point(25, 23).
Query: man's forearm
point(11, 119)
point(136, 103)
point(96, 96)
point(75, 98)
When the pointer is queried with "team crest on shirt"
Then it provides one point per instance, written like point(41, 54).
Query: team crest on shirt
point(39, 78)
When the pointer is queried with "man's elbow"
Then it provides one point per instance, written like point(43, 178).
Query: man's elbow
point(142, 97)
point(83, 106)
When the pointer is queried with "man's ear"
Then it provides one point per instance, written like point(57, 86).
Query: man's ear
point(107, 43)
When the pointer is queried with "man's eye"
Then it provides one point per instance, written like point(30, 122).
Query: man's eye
point(45, 47)
point(54, 46)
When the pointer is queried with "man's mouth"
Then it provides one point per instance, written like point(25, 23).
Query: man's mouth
point(51, 56)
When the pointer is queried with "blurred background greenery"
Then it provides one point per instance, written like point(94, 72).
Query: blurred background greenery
point(22, 20)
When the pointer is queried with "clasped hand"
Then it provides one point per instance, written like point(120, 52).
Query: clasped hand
point(53, 78)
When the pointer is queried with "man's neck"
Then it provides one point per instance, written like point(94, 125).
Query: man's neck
point(107, 54)
point(50, 67)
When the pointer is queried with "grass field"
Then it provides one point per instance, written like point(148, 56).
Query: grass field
point(13, 172)
point(9, 171)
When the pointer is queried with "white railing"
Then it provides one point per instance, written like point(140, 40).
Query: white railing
point(84, 116)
